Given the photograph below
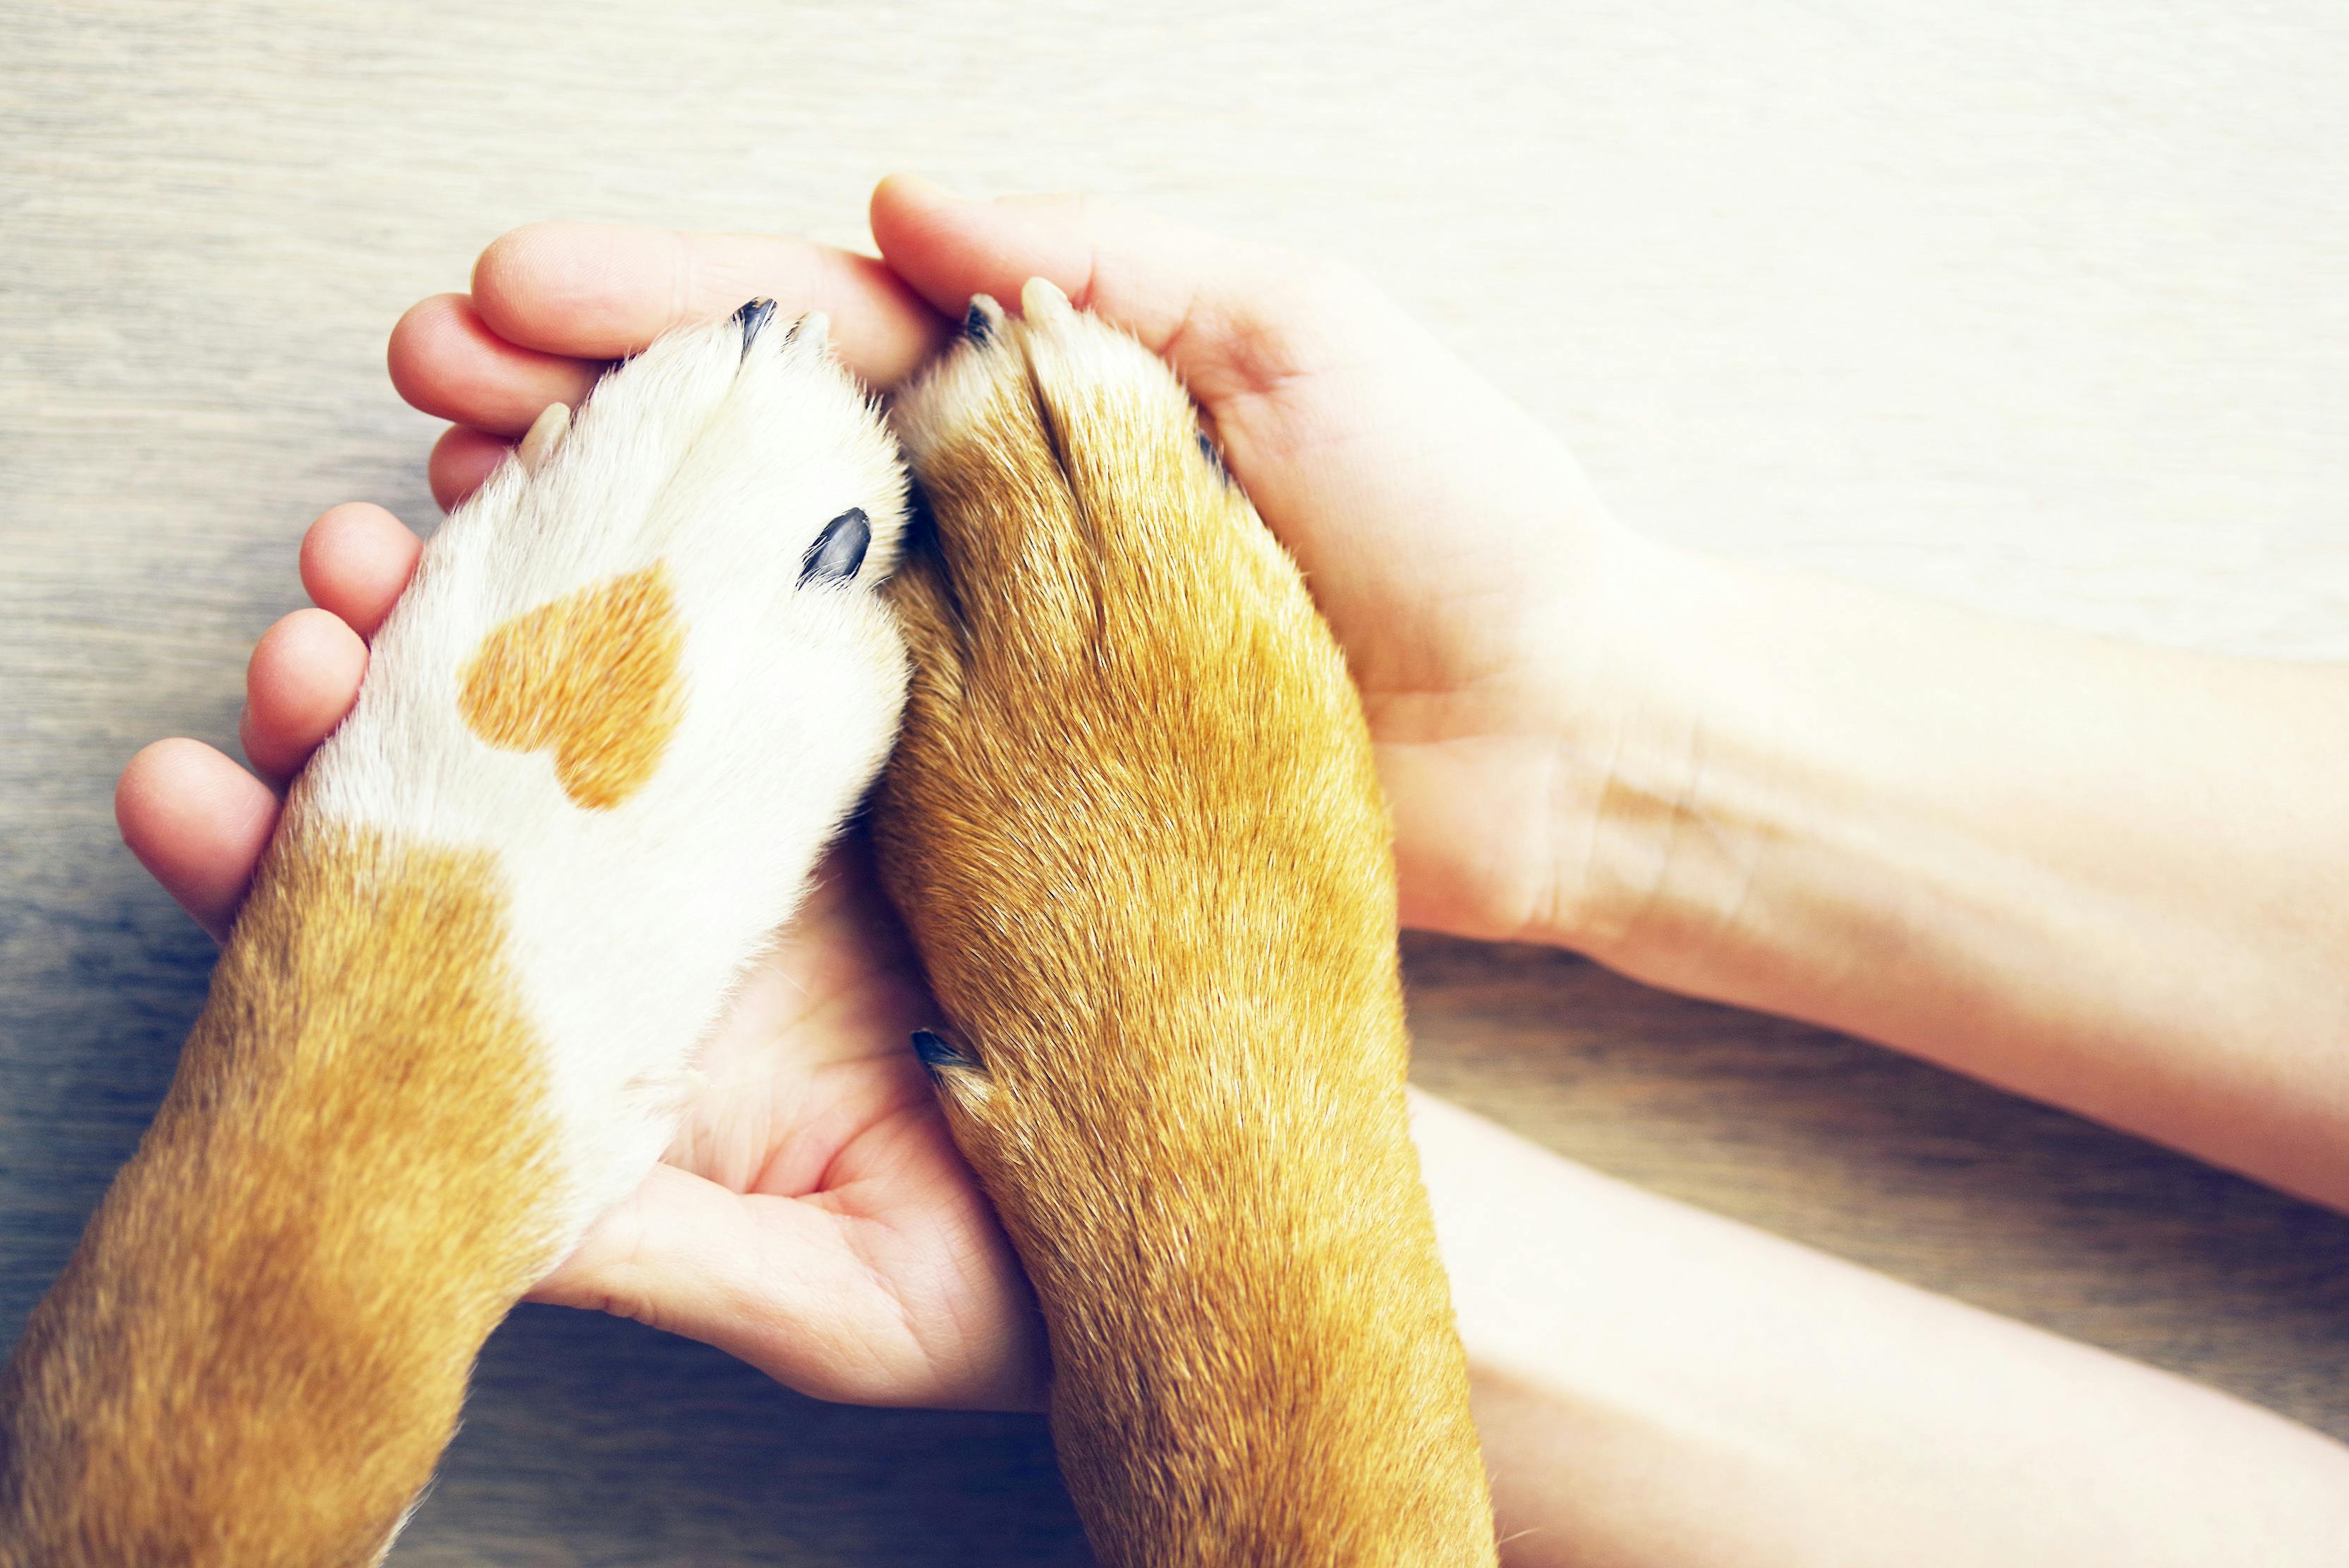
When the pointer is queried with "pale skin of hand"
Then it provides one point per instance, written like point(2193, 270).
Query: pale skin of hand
point(1491, 653)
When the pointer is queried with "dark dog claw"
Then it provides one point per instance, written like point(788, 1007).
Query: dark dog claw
point(936, 1052)
point(1215, 458)
point(979, 322)
point(839, 550)
point(754, 316)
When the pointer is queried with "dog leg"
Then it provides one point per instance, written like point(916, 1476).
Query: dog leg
point(635, 685)
point(1134, 826)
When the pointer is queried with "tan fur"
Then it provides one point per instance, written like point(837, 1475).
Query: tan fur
point(1134, 826)
point(591, 677)
point(357, 1129)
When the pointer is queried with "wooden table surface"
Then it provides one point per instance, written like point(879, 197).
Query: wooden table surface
point(2038, 308)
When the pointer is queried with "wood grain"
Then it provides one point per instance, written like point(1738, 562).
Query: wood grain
point(2036, 308)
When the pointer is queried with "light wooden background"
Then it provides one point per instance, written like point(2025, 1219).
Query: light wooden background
point(2042, 308)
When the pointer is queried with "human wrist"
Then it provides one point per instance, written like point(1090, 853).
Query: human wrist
point(1662, 759)
point(1774, 776)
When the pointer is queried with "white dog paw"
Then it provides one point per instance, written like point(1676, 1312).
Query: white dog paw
point(638, 681)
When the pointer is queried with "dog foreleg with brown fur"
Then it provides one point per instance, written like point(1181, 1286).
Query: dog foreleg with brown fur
point(1134, 826)
point(635, 685)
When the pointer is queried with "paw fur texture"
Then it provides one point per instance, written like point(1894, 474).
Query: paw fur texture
point(636, 684)
point(1134, 827)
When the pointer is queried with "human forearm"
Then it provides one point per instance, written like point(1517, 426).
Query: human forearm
point(1657, 1386)
point(2106, 876)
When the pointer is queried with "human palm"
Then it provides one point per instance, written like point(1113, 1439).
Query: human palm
point(812, 1215)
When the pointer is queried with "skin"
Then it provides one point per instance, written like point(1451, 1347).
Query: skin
point(1647, 790)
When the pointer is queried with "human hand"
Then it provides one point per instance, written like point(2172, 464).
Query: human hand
point(1485, 601)
point(812, 1216)
point(1451, 541)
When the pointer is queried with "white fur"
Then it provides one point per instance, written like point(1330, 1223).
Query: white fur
point(630, 924)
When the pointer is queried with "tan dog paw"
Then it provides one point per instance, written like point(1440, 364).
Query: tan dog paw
point(1133, 825)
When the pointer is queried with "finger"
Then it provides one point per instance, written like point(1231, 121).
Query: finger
point(601, 291)
point(197, 823)
point(461, 461)
point(355, 561)
point(302, 679)
point(1231, 316)
point(445, 361)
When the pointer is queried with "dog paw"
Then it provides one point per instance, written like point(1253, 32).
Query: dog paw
point(1134, 826)
point(1130, 736)
point(638, 681)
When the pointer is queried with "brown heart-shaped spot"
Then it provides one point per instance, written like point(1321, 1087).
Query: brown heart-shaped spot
point(592, 675)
